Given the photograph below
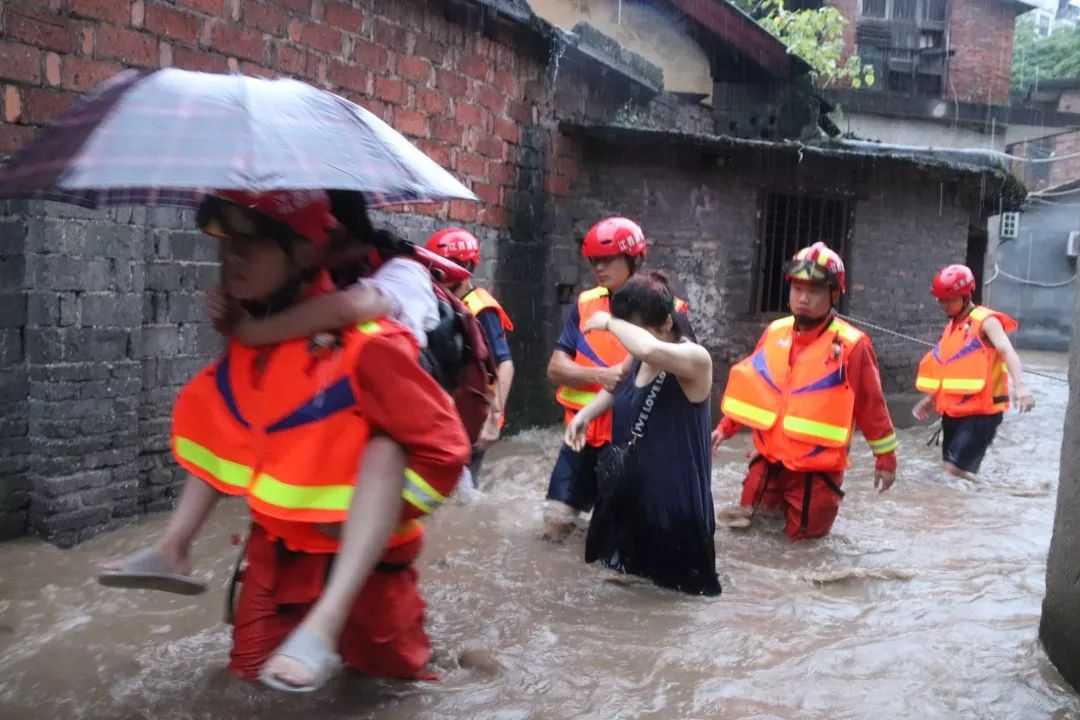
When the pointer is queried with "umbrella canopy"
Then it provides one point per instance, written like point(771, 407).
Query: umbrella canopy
point(166, 136)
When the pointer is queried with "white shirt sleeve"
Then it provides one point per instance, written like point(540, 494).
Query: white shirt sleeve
point(407, 286)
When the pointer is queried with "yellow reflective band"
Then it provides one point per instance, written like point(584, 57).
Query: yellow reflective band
point(1004, 367)
point(885, 445)
point(962, 385)
point(369, 328)
point(745, 411)
point(575, 396)
point(419, 493)
point(850, 334)
point(788, 321)
point(473, 304)
point(816, 429)
point(596, 292)
point(981, 313)
point(927, 384)
point(227, 471)
point(302, 497)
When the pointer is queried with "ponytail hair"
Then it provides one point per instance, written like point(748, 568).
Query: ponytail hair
point(351, 210)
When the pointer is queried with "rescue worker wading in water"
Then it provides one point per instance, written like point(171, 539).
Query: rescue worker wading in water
point(584, 362)
point(967, 374)
point(810, 380)
point(314, 437)
point(462, 247)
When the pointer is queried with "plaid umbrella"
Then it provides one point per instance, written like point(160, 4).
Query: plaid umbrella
point(163, 137)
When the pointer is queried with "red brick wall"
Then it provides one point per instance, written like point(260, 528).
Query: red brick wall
point(981, 34)
point(850, 10)
point(458, 95)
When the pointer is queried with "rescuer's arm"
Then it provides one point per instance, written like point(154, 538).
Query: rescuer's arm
point(562, 370)
point(872, 413)
point(724, 429)
point(1021, 395)
point(727, 427)
point(504, 374)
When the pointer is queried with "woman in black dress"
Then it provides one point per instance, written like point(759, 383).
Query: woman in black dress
point(657, 520)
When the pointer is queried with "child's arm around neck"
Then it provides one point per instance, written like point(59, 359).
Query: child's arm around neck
point(322, 313)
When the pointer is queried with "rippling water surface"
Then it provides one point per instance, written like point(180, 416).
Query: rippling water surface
point(924, 603)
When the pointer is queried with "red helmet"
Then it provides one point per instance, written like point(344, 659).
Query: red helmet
point(818, 262)
point(614, 236)
point(953, 281)
point(243, 213)
point(455, 244)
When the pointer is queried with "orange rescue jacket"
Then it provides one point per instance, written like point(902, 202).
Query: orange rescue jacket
point(965, 372)
point(280, 427)
point(478, 299)
point(596, 349)
point(802, 414)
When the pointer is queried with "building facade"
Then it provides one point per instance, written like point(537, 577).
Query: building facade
point(102, 312)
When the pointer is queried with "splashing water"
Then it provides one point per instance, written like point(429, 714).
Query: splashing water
point(923, 603)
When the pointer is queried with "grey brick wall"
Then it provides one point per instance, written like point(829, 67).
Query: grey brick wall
point(106, 322)
point(14, 385)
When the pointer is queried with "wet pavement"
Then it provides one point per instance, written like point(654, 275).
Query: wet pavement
point(924, 603)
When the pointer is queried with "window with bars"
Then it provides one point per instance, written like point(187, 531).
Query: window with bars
point(788, 223)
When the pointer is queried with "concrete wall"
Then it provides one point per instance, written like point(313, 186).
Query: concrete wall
point(659, 35)
point(1059, 630)
point(1038, 254)
point(1040, 176)
point(922, 133)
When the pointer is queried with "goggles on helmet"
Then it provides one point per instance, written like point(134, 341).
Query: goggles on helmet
point(221, 218)
point(810, 271)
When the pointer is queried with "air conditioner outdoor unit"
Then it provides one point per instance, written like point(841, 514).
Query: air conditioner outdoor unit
point(1072, 246)
point(1010, 224)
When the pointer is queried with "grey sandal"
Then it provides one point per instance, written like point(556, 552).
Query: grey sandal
point(146, 570)
point(309, 649)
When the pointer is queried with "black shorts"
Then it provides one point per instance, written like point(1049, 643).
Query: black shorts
point(573, 479)
point(966, 439)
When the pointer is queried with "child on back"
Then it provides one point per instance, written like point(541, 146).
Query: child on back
point(399, 289)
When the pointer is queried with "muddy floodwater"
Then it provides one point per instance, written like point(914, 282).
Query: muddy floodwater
point(924, 603)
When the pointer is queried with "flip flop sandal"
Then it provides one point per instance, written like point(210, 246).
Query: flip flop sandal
point(735, 517)
point(307, 648)
point(146, 570)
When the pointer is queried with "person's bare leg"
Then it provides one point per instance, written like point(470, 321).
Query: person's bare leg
point(960, 473)
point(197, 500)
point(558, 520)
point(373, 514)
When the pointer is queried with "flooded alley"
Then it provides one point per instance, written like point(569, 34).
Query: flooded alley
point(924, 603)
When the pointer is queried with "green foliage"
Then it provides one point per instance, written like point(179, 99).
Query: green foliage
point(817, 36)
point(1034, 57)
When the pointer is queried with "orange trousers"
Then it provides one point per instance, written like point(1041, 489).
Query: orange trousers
point(810, 501)
point(384, 635)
